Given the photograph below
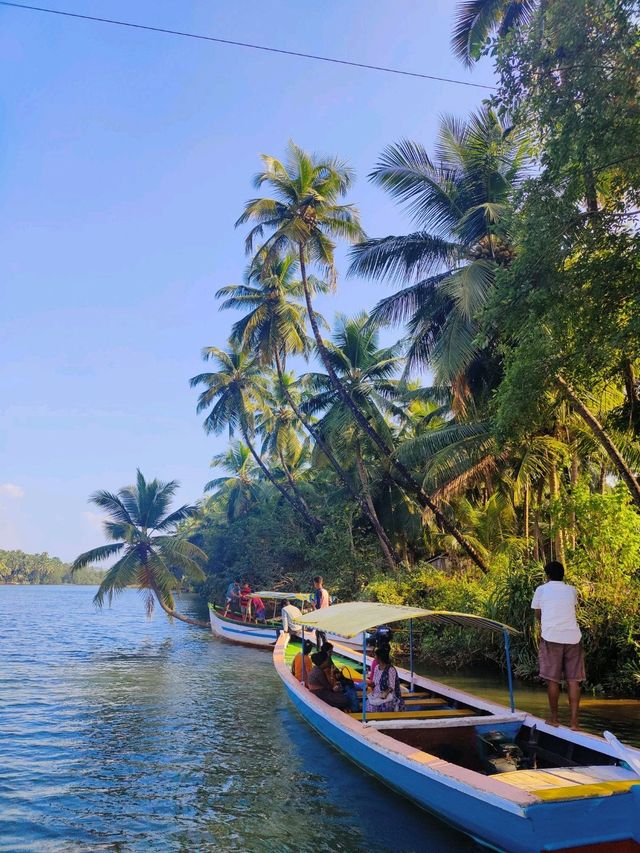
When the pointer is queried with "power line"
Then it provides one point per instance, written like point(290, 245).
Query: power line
point(262, 47)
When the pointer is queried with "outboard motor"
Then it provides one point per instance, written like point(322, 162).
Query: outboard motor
point(502, 755)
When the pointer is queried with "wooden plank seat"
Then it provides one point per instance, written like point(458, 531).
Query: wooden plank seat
point(410, 715)
point(434, 702)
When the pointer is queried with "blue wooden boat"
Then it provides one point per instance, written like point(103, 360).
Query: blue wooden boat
point(506, 778)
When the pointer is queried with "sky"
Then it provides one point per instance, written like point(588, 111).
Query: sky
point(125, 159)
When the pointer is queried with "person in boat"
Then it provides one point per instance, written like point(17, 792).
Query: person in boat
point(320, 600)
point(385, 694)
point(291, 616)
point(232, 595)
point(383, 644)
point(319, 684)
point(245, 602)
point(332, 672)
point(258, 609)
point(303, 657)
point(560, 652)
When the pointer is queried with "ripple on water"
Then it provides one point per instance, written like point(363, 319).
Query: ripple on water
point(123, 734)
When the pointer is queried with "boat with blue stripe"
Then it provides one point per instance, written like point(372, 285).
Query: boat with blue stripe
point(235, 629)
point(504, 777)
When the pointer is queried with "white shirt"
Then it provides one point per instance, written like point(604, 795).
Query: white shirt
point(557, 601)
point(290, 615)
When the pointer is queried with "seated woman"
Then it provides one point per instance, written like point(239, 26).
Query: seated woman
point(319, 684)
point(297, 664)
point(385, 695)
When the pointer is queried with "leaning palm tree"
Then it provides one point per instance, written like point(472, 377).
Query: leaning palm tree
point(273, 329)
point(367, 372)
point(477, 20)
point(143, 537)
point(232, 393)
point(461, 201)
point(303, 217)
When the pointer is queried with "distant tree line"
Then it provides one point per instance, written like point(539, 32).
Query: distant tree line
point(18, 567)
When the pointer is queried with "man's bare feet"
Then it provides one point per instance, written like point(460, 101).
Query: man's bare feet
point(553, 723)
point(575, 727)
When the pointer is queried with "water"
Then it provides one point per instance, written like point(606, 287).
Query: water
point(122, 734)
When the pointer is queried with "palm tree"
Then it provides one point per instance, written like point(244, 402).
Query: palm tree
point(144, 538)
point(367, 372)
point(302, 218)
point(273, 329)
point(477, 20)
point(239, 487)
point(278, 424)
point(232, 392)
point(461, 202)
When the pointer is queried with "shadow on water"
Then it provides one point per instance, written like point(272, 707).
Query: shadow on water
point(124, 734)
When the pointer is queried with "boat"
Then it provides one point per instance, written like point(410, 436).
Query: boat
point(232, 627)
point(504, 777)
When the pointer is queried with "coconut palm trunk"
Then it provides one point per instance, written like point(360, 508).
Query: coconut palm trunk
point(198, 623)
point(314, 523)
point(385, 544)
point(404, 478)
point(366, 491)
point(626, 474)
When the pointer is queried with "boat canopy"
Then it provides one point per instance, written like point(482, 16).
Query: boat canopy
point(294, 596)
point(352, 617)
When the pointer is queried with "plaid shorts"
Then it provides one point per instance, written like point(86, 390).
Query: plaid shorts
point(558, 658)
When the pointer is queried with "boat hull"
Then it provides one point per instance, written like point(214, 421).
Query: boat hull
point(507, 820)
point(260, 636)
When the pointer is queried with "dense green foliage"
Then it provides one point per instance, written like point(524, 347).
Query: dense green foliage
point(18, 567)
point(519, 292)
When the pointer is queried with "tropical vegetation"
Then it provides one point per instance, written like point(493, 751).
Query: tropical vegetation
point(16, 567)
point(502, 429)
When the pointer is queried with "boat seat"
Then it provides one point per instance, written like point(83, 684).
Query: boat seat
point(412, 699)
point(566, 783)
point(411, 715)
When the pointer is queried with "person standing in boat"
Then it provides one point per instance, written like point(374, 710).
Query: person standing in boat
point(320, 600)
point(232, 595)
point(245, 602)
point(385, 694)
point(560, 652)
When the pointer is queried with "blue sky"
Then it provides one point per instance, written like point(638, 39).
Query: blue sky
point(125, 158)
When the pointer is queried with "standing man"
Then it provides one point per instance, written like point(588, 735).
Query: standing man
point(320, 600)
point(560, 640)
point(233, 592)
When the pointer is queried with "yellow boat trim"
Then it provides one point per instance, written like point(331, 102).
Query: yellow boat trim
point(573, 792)
point(410, 715)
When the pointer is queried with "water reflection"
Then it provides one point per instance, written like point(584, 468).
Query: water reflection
point(121, 734)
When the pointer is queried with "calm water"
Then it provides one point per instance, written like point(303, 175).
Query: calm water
point(123, 734)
